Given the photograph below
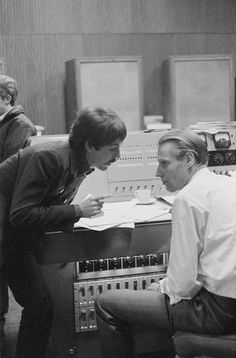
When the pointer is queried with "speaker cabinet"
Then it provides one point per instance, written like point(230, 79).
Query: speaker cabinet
point(198, 89)
point(114, 83)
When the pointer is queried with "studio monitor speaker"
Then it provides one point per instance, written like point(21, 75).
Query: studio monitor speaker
point(108, 82)
point(198, 89)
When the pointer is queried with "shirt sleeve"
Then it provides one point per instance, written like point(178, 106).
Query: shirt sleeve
point(35, 178)
point(186, 245)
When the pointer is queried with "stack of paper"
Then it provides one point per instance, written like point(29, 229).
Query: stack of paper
point(124, 214)
point(143, 213)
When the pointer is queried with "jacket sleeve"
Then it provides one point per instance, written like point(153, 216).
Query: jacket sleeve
point(17, 137)
point(37, 175)
point(2, 221)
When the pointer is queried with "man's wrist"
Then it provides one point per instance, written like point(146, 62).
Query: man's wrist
point(78, 212)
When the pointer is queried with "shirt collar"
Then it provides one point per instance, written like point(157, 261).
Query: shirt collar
point(200, 171)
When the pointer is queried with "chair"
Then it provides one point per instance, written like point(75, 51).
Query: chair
point(189, 344)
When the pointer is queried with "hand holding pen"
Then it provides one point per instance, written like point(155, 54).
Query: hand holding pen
point(92, 205)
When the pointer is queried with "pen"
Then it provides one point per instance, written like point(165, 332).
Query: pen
point(88, 196)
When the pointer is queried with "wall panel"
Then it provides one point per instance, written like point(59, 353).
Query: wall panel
point(117, 16)
point(57, 50)
point(37, 37)
point(25, 62)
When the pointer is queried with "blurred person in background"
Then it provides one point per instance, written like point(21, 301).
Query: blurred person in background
point(15, 129)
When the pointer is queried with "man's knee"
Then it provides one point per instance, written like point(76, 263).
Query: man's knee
point(105, 305)
point(107, 300)
point(100, 304)
point(114, 304)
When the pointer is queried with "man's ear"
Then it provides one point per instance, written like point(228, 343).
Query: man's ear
point(190, 159)
point(8, 98)
point(88, 147)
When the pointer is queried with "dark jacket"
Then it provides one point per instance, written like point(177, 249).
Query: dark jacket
point(15, 129)
point(37, 186)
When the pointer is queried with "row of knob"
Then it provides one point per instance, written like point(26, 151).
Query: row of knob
point(121, 262)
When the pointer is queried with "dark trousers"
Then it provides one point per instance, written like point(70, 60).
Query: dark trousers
point(120, 311)
point(3, 310)
point(24, 277)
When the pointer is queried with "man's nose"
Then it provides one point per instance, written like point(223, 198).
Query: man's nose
point(158, 174)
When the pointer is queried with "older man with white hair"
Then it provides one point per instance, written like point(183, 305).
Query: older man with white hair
point(198, 293)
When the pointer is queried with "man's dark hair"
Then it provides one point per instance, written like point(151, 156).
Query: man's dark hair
point(96, 126)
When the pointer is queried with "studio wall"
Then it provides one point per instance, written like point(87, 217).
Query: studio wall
point(38, 36)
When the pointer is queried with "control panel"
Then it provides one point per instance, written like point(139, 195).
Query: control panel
point(137, 165)
point(95, 277)
point(86, 292)
point(221, 144)
point(135, 169)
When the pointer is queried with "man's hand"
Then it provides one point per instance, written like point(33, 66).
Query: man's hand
point(92, 205)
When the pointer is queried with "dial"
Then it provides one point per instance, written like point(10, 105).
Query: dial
point(222, 140)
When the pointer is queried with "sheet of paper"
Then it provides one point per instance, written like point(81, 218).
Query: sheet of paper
point(114, 214)
point(149, 212)
point(125, 214)
point(130, 225)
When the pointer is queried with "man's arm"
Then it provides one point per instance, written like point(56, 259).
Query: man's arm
point(186, 246)
point(36, 177)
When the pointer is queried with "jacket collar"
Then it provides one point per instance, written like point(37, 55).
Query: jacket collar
point(14, 111)
point(79, 164)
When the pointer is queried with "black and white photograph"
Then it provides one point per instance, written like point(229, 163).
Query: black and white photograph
point(117, 179)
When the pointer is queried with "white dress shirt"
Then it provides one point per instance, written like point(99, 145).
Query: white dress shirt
point(203, 242)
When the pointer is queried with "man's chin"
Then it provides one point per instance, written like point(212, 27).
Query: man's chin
point(106, 165)
point(103, 167)
point(171, 190)
point(168, 188)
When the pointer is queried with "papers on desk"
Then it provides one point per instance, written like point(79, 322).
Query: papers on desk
point(125, 214)
point(145, 213)
point(114, 215)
